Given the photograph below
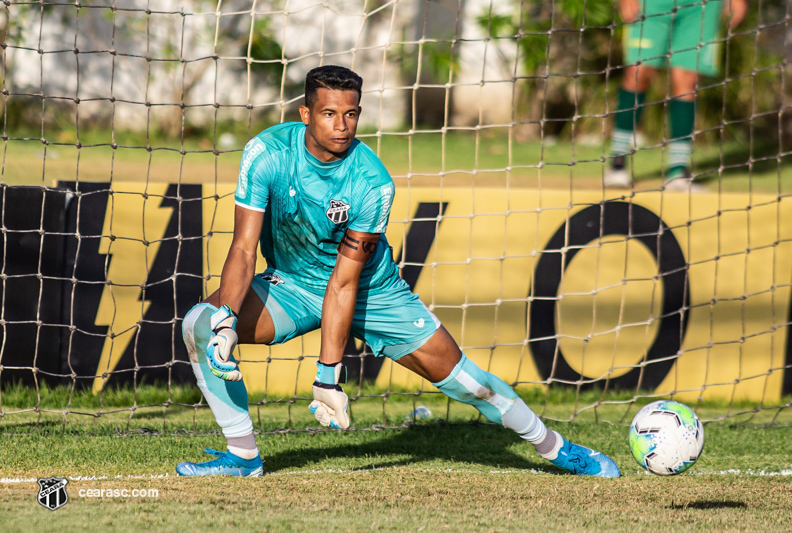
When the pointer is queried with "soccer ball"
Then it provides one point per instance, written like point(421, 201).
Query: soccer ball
point(666, 437)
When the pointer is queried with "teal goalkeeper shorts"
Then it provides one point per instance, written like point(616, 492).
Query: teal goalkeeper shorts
point(677, 33)
point(393, 323)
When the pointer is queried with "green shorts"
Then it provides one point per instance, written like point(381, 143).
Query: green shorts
point(665, 37)
point(393, 323)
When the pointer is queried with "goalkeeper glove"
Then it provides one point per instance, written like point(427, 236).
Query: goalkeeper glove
point(330, 401)
point(222, 344)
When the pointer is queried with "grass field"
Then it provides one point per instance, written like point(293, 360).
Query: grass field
point(424, 159)
point(431, 476)
point(442, 474)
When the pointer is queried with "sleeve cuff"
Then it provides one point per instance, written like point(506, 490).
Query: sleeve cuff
point(259, 209)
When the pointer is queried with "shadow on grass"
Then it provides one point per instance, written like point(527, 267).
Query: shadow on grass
point(109, 424)
point(148, 413)
point(27, 427)
point(479, 444)
point(708, 504)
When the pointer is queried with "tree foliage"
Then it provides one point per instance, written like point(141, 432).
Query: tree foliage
point(570, 63)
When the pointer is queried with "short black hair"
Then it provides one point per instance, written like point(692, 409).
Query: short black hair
point(331, 77)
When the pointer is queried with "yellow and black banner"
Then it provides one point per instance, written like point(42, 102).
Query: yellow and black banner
point(665, 292)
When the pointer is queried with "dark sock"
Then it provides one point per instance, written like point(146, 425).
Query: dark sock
point(627, 116)
point(682, 116)
point(630, 109)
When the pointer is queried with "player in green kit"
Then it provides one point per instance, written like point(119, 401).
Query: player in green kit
point(681, 36)
point(316, 201)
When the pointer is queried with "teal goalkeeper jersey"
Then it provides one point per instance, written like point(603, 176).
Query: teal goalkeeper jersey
point(308, 205)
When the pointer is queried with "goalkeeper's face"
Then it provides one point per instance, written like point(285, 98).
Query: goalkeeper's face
point(331, 123)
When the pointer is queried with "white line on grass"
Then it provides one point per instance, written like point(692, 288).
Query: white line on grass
point(84, 478)
point(749, 472)
point(731, 472)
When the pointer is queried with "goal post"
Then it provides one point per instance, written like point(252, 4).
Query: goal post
point(124, 121)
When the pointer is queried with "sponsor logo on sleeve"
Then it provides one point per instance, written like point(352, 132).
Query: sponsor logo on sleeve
point(253, 148)
point(387, 199)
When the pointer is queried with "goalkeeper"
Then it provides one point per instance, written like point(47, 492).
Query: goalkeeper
point(679, 34)
point(317, 202)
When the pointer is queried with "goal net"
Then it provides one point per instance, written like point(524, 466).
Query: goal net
point(123, 126)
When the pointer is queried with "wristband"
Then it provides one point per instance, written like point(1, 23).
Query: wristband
point(330, 374)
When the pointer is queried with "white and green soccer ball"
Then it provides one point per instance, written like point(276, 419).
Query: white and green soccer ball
point(666, 437)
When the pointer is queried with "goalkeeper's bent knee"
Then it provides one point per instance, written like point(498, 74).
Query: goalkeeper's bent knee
point(492, 397)
point(227, 399)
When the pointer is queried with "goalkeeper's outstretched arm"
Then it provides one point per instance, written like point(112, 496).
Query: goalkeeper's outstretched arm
point(338, 309)
point(338, 306)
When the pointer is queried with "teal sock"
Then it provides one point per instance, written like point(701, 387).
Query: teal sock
point(627, 117)
point(682, 116)
point(493, 398)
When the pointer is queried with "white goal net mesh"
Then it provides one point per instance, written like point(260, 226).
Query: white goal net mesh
point(124, 122)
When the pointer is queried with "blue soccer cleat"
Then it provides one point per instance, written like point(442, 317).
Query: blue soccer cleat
point(583, 461)
point(226, 464)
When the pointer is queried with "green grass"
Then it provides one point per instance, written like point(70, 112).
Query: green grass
point(430, 476)
point(424, 159)
point(388, 500)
